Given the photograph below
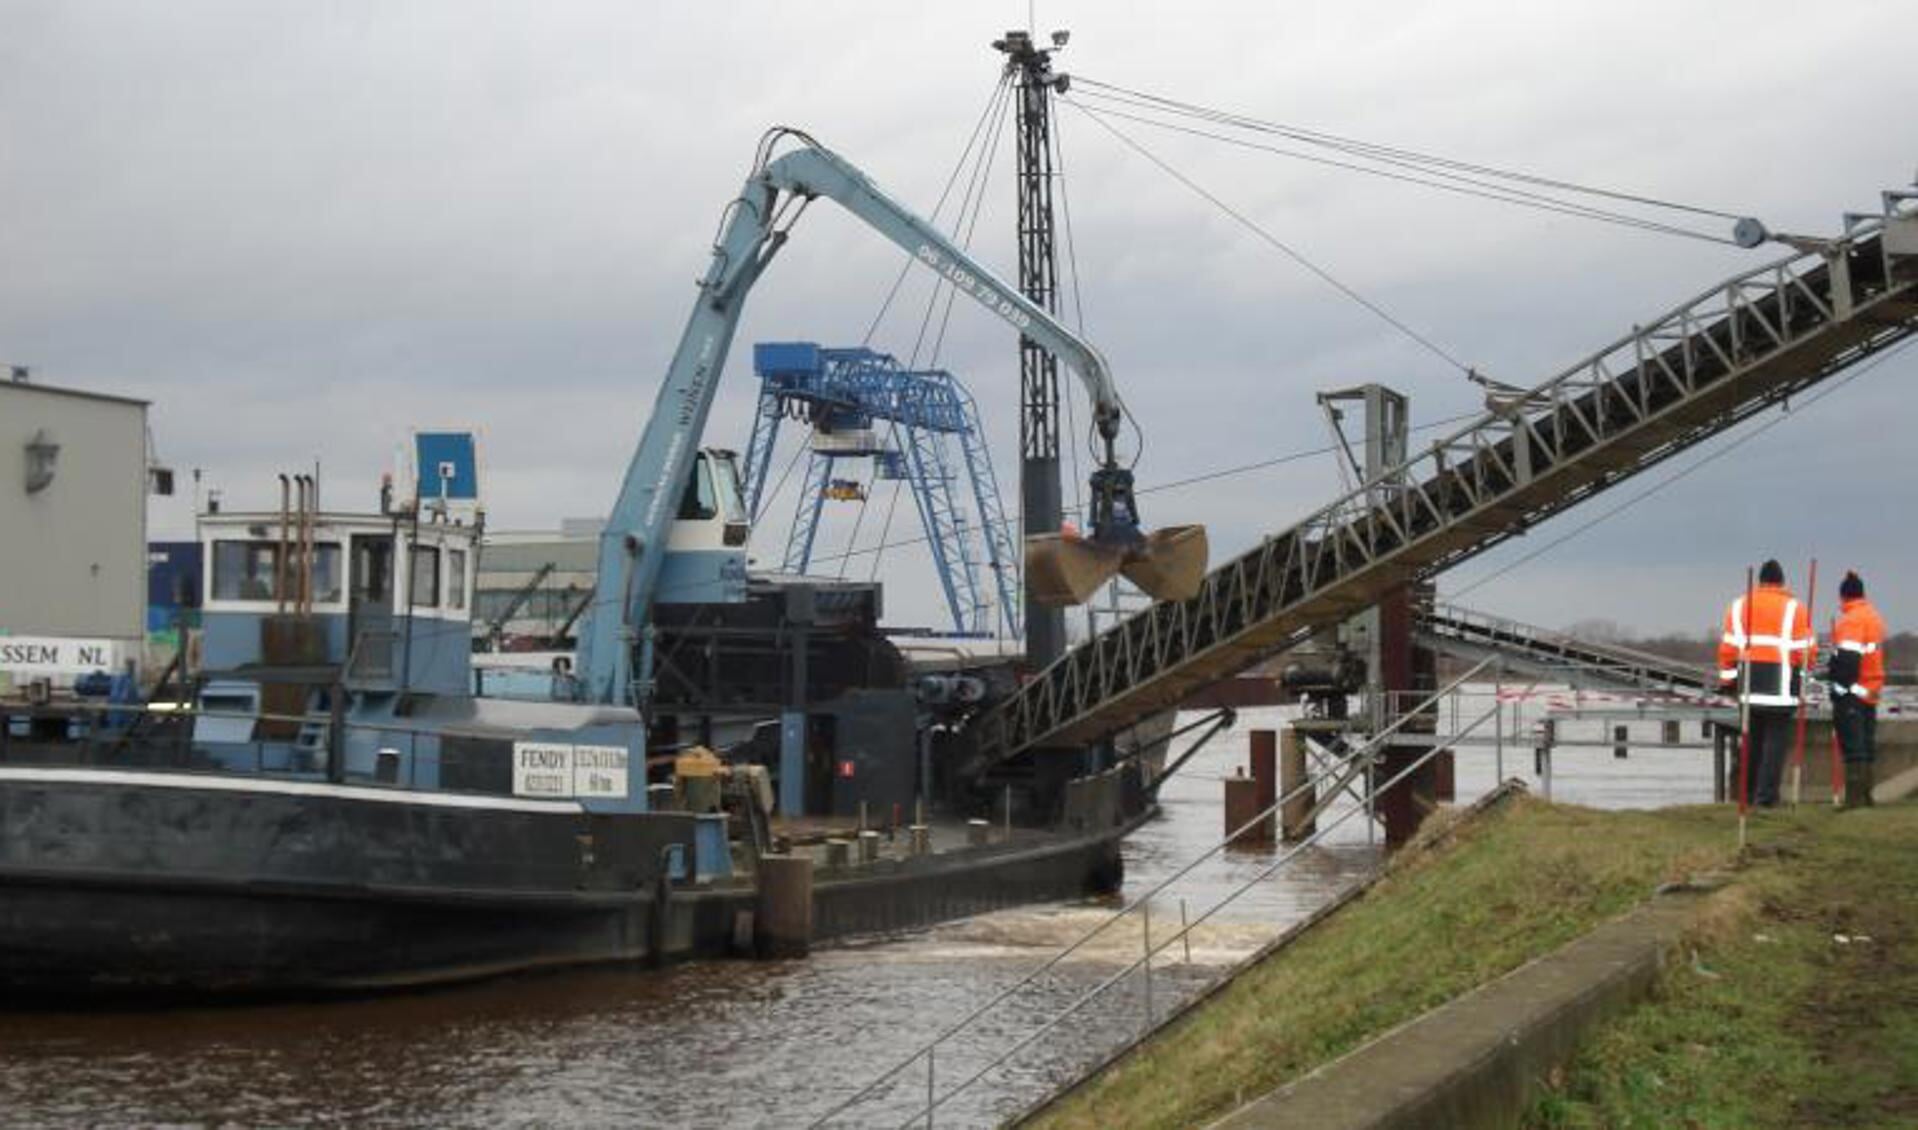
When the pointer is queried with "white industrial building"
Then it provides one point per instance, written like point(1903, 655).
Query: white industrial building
point(533, 585)
point(74, 477)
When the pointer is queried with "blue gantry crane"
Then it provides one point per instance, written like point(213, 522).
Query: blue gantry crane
point(863, 404)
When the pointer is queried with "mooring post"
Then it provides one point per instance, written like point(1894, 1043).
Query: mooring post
point(1241, 804)
point(1295, 817)
point(1262, 747)
point(783, 923)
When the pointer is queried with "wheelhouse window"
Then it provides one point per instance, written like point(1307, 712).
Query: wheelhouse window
point(250, 570)
point(426, 576)
point(456, 578)
point(246, 570)
point(326, 573)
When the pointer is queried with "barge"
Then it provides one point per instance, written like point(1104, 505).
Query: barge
point(317, 801)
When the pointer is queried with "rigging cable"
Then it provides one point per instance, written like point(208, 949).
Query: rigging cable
point(952, 179)
point(1465, 185)
point(1056, 136)
point(1378, 151)
point(989, 155)
point(1278, 244)
point(972, 201)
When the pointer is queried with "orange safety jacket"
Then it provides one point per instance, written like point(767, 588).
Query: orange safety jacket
point(1772, 640)
point(1858, 656)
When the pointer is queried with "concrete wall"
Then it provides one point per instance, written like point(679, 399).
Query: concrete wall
point(73, 555)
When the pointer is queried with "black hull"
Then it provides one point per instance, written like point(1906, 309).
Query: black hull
point(355, 897)
point(119, 941)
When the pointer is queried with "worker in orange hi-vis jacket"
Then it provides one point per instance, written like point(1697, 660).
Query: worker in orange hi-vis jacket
point(1771, 643)
point(1857, 675)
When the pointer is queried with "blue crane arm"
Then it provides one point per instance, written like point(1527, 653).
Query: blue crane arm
point(815, 171)
point(632, 548)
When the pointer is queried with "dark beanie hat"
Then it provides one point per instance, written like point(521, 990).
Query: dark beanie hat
point(1851, 588)
point(1771, 573)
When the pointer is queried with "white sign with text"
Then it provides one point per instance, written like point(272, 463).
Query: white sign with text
point(38, 656)
point(554, 769)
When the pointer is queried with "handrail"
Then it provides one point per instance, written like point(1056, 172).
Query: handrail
point(1617, 652)
point(1185, 930)
point(964, 1022)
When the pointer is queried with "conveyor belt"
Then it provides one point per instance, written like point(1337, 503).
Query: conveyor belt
point(1735, 350)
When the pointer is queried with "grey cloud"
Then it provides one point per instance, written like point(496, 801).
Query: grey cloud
point(305, 229)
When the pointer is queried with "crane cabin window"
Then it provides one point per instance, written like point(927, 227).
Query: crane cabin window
point(699, 502)
point(426, 576)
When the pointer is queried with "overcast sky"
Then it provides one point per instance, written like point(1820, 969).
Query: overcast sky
point(305, 229)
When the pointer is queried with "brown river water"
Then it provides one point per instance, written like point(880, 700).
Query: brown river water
point(740, 1043)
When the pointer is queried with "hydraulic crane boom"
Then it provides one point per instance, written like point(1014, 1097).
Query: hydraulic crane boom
point(753, 229)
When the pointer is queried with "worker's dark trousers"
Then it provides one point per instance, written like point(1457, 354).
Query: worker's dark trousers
point(1857, 726)
point(1770, 745)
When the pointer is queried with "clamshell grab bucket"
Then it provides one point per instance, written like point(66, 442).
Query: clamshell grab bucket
point(1167, 564)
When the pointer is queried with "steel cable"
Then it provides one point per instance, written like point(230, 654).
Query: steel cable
point(1378, 151)
point(1278, 244)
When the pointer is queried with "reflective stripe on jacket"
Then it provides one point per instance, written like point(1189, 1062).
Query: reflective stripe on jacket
point(1858, 652)
point(1773, 640)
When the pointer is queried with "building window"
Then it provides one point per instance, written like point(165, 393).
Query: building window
point(426, 576)
point(456, 578)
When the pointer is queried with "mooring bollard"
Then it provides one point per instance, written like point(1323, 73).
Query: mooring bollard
point(1241, 805)
point(1295, 817)
point(1263, 755)
point(782, 922)
point(978, 832)
point(921, 839)
point(838, 853)
point(868, 846)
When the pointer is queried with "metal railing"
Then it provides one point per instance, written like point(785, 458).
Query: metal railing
point(1468, 632)
point(1700, 368)
point(1341, 772)
point(101, 745)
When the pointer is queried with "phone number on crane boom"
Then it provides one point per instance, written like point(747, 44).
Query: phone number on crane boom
point(966, 281)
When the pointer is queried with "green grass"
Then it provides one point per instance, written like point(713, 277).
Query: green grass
point(1775, 1022)
point(1515, 884)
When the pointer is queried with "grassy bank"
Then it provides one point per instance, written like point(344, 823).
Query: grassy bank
point(1800, 1007)
point(1515, 884)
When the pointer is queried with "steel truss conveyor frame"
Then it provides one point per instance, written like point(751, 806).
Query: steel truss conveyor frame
point(1473, 635)
point(1701, 368)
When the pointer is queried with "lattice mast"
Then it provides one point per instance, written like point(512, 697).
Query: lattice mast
point(1039, 478)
